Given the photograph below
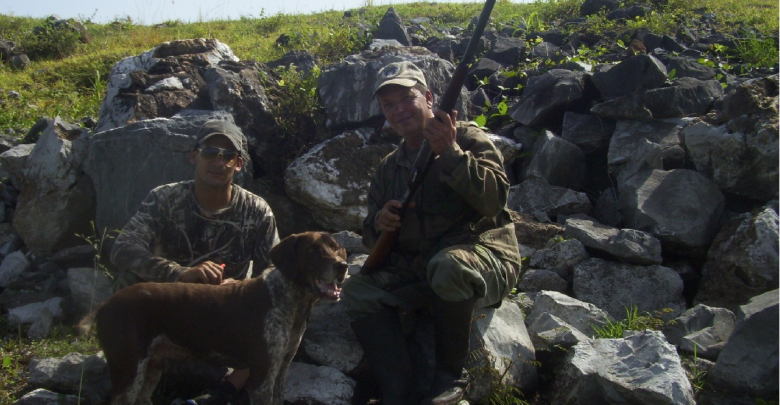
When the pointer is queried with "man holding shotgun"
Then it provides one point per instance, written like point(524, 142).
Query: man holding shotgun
point(456, 248)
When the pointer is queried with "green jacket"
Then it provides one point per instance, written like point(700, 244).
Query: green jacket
point(462, 200)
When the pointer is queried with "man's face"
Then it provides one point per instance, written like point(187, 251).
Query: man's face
point(212, 167)
point(406, 109)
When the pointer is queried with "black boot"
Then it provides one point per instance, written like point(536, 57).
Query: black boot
point(453, 327)
point(384, 343)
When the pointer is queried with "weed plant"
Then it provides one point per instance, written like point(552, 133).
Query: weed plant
point(634, 320)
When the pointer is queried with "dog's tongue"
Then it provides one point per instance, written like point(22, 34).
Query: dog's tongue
point(330, 291)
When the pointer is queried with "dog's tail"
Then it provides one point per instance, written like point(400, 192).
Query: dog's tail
point(85, 325)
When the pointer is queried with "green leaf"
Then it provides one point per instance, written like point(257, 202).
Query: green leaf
point(672, 73)
point(620, 43)
point(502, 108)
point(6, 362)
point(481, 120)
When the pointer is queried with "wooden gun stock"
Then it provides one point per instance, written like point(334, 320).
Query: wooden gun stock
point(425, 158)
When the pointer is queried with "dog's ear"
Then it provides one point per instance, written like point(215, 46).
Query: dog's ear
point(283, 255)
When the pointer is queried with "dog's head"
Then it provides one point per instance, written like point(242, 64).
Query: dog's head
point(314, 260)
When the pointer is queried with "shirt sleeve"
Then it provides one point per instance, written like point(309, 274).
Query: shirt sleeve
point(473, 167)
point(132, 249)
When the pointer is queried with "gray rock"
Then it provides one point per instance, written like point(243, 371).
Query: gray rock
point(117, 111)
point(702, 330)
point(161, 146)
point(634, 73)
point(20, 62)
point(559, 162)
point(689, 228)
point(618, 287)
point(332, 179)
point(546, 98)
point(313, 385)
point(560, 258)
point(589, 132)
point(742, 163)
point(42, 396)
point(347, 88)
point(355, 263)
point(536, 195)
point(30, 313)
point(508, 148)
point(499, 340)
point(351, 241)
point(748, 363)
point(641, 369)
point(578, 314)
point(13, 161)
point(12, 266)
point(687, 97)
point(41, 328)
point(169, 83)
point(329, 340)
point(687, 67)
point(628, 107)
point(548, 332)
point(378, 44)
point(742, 261)
point(625, 143)
point(72, 374)
point(391, 27)
point(627, 245)
point(89, 288)
point(542, 280)
point(507, 51)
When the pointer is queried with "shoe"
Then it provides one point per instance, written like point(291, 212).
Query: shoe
point(223, 394)
point(452, 325)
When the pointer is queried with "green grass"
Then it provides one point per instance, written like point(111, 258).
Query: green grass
point(634, 320)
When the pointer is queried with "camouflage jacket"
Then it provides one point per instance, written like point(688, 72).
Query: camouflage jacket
point(169, 233)
point(462, 200)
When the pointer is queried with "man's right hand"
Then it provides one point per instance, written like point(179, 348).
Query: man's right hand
point(204, 273)
point(387, 219)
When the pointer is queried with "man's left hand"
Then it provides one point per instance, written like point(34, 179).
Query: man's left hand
point(440, 131)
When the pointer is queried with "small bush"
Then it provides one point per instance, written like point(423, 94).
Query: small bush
point(51, 41)
point(757, 52)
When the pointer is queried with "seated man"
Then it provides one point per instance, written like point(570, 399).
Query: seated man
point(456, 248)
point(205, 230)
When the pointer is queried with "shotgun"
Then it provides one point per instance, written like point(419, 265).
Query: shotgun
point(425, 158)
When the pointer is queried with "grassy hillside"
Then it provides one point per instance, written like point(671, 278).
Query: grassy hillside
point(68, 78)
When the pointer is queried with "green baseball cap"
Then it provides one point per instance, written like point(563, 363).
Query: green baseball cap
point(404, 73)
point(221, 127)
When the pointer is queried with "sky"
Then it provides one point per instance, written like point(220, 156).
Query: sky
point(149, 12)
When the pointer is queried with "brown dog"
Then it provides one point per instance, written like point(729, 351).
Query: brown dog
point(256, 324)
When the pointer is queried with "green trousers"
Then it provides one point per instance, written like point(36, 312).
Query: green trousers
point(455, 273)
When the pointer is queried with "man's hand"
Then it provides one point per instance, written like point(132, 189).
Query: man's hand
point(205, 273)
point(440, 131)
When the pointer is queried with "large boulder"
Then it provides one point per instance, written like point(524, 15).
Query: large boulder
point(329, 340)
point(742, 163)
point(742, 261)
point(126, 88)
point(536, 196)
point(626, 245)
point(347, 88)
point(640, 369)
point(392, 27)
point(618, 287)
point(556, 160)
point(748, 363)
point(548, 96)
point(57, 201)
point(72, 374)
point(687, 229)
point(701, 330)
point(635, 73)
point(580, 315)
point(160, 146)
point(313, 385)
point(332, 179)
point(686, 97)
point(625, 145)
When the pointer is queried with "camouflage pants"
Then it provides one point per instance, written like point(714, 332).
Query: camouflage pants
point(456, 273)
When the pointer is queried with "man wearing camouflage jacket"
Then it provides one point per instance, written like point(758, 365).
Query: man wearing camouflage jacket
point(456, 248)
point(205, 230)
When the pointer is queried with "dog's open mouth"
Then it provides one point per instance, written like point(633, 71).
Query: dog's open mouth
point(331, 291)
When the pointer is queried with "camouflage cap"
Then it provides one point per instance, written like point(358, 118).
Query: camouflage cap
point(221, 127)
point(404, 73)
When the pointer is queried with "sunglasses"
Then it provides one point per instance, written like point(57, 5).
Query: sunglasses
point(211, 153)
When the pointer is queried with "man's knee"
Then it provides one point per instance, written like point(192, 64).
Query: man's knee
point(452, 278)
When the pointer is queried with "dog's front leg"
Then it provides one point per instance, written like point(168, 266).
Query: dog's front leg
point(261, 385)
